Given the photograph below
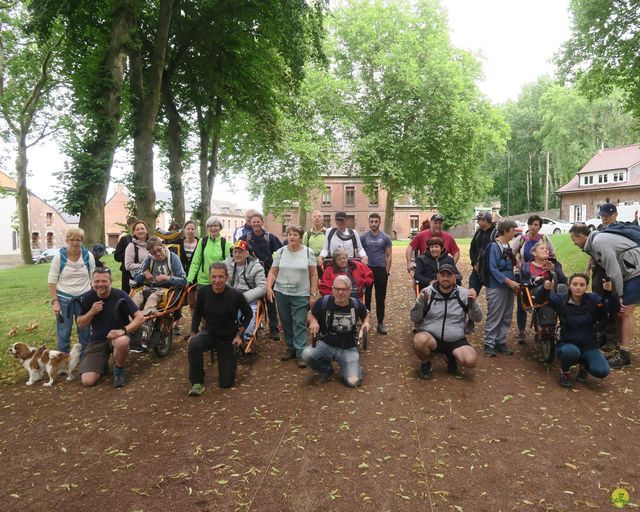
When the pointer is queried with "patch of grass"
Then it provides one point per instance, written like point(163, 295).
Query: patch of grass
point(571, 257)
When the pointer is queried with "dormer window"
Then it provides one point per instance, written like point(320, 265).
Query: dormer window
point(588, 180)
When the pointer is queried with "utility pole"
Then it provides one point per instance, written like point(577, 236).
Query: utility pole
point(508, 181)
point(546, 185)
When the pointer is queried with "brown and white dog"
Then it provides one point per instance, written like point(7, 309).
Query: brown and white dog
point(53, 362)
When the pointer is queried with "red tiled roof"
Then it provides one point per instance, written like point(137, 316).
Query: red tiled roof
point(574, 185)
point(7, 181)
point(613, 158)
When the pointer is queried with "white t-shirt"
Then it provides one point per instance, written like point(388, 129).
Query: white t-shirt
point(293, 270)
point(75, 278)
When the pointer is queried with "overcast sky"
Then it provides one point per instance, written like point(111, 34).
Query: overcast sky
point(514, 39)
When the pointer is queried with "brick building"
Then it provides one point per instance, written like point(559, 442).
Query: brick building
point(611, 176)
point(347, 193)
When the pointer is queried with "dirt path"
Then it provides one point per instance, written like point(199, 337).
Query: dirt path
point(506, 437)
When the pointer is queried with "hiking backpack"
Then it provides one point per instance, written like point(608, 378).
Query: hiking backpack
point(329, 313)
point(203, 245)
point(64, 257)
point(352, 237)
point(630, 231)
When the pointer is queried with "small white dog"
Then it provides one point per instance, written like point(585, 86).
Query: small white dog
point(53, 362)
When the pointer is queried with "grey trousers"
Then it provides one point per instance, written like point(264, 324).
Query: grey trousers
point(499, 316)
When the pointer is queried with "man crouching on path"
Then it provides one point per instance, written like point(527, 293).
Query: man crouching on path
point(110, 332)
point(227, 315)
point(439, 312)
point(335, 318)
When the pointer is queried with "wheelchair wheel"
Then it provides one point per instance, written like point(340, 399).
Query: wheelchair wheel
point(162, 337)
point(548, 345)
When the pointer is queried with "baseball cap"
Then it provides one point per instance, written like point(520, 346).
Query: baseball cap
point(483, 215)
point(447, 268)
point(341, 216)
point(607, 209)
point(242, 245)
point(436, 216)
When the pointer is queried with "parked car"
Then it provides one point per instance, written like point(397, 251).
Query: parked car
point(554, 226)
point(45, 256)
point(521, 227)
point(626, 213)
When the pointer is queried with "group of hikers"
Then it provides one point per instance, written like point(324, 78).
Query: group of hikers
point(321, 282)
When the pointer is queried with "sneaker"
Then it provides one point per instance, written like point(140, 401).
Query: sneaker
point(522, 338)
point(503, 349)
point(301, 363)
point(119, 377)
point(425, 370)
point(196, 390)
point(275, 336)
point(489, 351)
point(287, 355)
point(137, 348)
point(565, 379)
point(619, 359)
point(581, 376)
point(382, 329)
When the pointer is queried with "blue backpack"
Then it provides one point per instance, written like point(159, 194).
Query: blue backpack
point(64, 256)
point(630, 231)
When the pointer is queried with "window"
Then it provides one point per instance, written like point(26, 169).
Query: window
point(588, 180)
point(49, 219)
point(414, 222)
point(326, 197)
point(351, 221)
point(603, 178)
point(373, 201)
point(35, 240)
point(326, 221)
point(349, 195)
point(49, 240)
point(286, 222)
point(577, 213)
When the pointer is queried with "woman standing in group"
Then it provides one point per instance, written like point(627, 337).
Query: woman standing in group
point(212, 248)
point(500, 290)
point(136, 251)
point(189, 244)
point(69, 277)
point(293, 282)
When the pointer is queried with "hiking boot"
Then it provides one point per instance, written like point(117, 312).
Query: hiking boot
point(581, 376)
point(503, 349)
point(426, 370)
point(452, 367)
point(565, 379)
point(301, 363)
point(489, 351)
point(196, 390)
point(287, 355)
point(609, 347)
point(320, 378)
point(275, 336)
point(119, 377)
point(522, 338)
point(382, 329)
point(619, 359)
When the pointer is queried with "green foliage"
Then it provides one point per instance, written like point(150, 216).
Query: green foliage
point(414, 117)
point(602, 53)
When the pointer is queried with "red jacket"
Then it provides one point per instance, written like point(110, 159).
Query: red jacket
point(361, 275)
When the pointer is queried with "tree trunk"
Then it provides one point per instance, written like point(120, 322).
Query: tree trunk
point(22, 200)
point(106, 138)
point(175, 152)
point(302, 218)
point(389, 211)
point(204, 128)
point(146, 111)
point(209, 125)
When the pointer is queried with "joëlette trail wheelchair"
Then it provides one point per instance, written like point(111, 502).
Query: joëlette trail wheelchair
point(157, 330)
point(544, 319)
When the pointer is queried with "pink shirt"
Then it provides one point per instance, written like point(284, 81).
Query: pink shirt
point(420, 242)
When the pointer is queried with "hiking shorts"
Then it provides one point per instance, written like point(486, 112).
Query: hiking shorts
point(96, 356)
point(447, 347)
point(631, 291)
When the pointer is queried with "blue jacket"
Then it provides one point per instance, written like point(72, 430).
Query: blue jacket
point(577, 322)
point(501, 263)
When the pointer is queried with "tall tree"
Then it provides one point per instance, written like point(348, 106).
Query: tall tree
point(27, 102)
point(418, 124)
point(602, 53)
point(94, 53)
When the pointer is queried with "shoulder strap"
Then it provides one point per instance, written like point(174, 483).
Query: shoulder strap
point(332, 232)
point(86, 260)
point(136, 255)
point(465, 307)
point(353, 241)
point(203, 244)
point(223, 245)
point(427, 306)
point(63, 258)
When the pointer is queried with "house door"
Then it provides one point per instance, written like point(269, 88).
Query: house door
point(351, 221)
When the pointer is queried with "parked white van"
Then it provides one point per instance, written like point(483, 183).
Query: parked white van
point(626, 213)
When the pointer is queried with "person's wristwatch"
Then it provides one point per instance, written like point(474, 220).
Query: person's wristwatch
point(126, 333)
point(314, 295)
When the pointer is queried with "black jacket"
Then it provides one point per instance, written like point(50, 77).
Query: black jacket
point(480, 240)
point(427, 268)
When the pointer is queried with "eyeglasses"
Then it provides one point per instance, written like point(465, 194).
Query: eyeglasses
point(336, 289)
